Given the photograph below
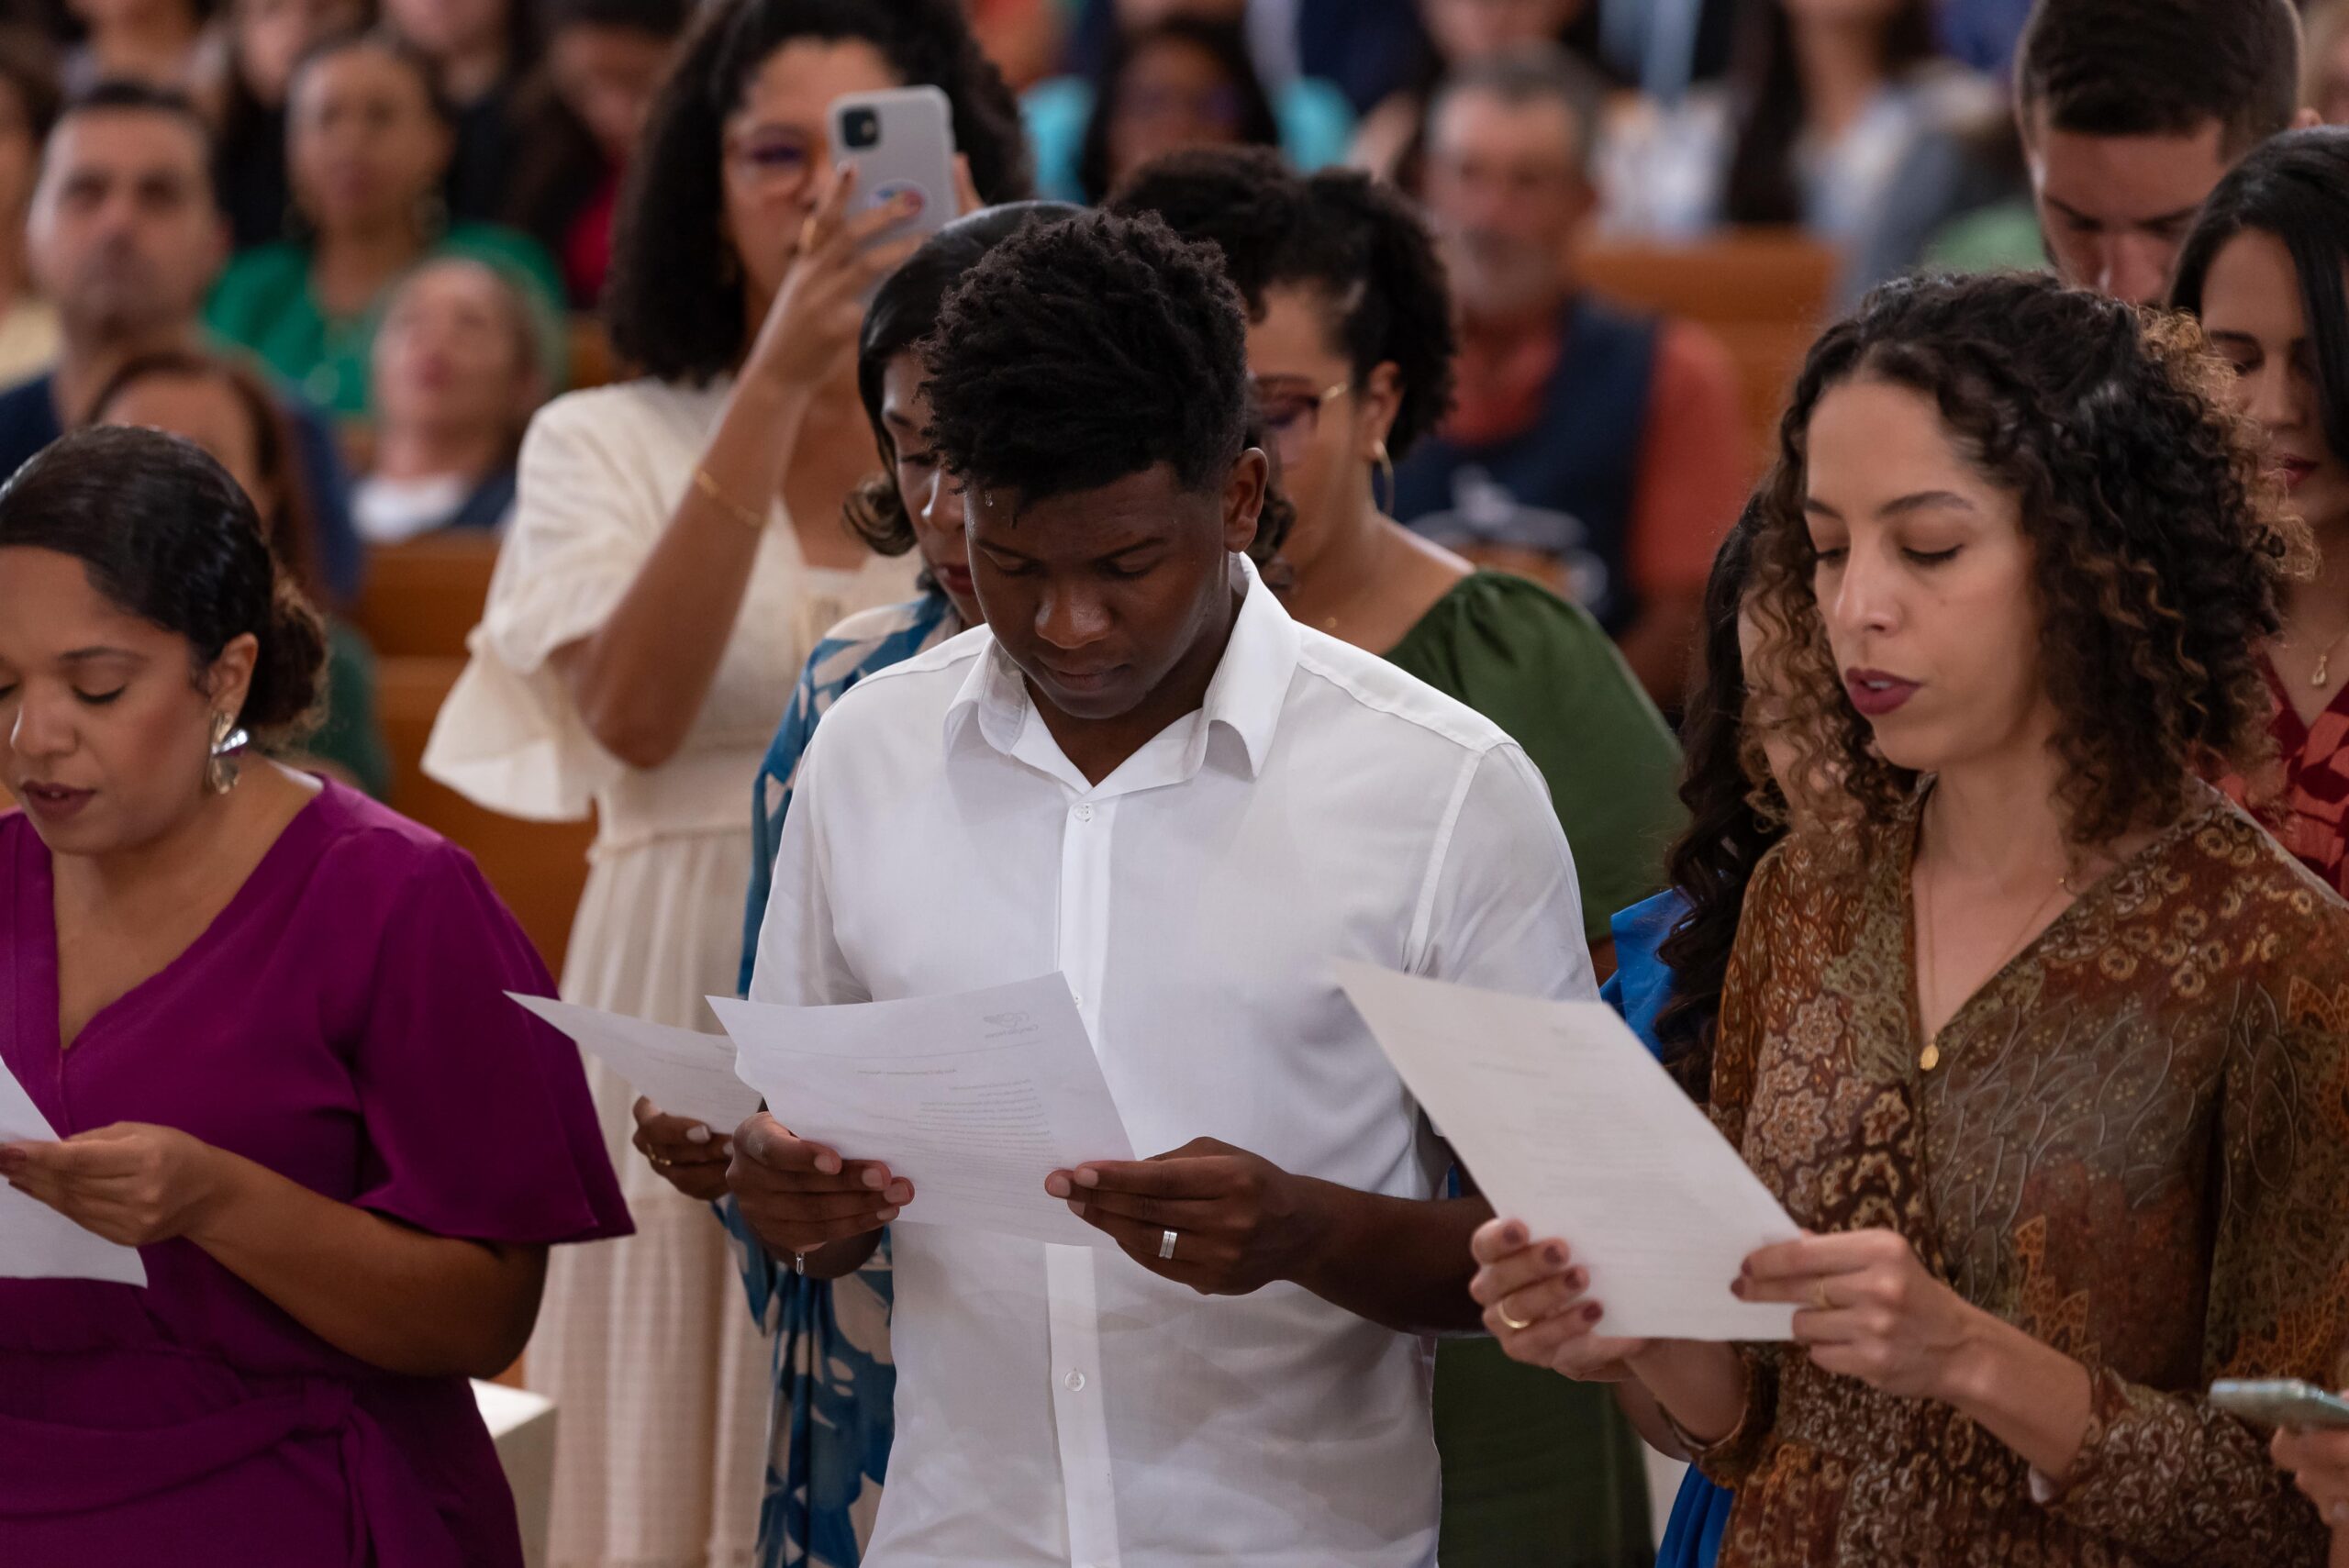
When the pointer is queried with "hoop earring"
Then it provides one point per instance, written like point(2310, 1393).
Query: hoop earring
point(1386, 467)
point(220, 770)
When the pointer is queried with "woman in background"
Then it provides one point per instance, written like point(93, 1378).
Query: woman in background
point(1175, 85)
point(579, 119)
point(481, 51)
point(457, 378)
point(29, 104)
point(368, 138)
point(226, 410)
point(2263, 270)
point(247, 103)
point(675, 554)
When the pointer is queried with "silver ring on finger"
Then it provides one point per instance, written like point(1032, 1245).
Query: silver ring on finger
point(1166, 1239)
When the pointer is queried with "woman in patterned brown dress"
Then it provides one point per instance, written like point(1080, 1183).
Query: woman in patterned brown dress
point(2042, 1040)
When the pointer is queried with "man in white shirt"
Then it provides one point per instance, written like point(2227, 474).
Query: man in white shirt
point(1142, 774)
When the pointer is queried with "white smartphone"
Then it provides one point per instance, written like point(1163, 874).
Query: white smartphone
point(2280, 1402)
point(900, 140)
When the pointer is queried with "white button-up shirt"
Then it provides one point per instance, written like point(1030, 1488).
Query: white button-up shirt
point(1062, 1405)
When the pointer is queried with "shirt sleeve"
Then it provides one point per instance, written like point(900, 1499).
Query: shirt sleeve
point(478, 1119)
point(1501, 909)
point(2168, 1476)
point(1696, 462)
point(509, 737)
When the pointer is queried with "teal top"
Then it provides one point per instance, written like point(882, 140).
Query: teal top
point(263, 303)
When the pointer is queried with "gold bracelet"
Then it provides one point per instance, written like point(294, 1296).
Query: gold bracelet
point(709, 487)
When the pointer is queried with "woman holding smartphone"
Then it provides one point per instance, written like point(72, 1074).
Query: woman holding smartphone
point(2040, 1038)
point(676, 552)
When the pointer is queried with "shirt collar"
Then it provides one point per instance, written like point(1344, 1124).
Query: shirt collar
point(1250, 687)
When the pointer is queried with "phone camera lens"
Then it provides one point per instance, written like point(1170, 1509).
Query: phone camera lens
point(862, 128)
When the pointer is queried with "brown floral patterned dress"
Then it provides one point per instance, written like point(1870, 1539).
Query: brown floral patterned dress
point(2135, 1147)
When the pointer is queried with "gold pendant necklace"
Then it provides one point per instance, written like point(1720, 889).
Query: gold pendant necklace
point(1931, 1056)
point(2323, 675)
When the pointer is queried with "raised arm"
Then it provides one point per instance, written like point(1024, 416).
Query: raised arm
point(640, 678)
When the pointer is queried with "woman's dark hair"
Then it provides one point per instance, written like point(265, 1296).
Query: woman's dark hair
point(902, 313)
point(1728, 833)
point(1359, 246)
point(2159, 541)
point(1079, 352)
point(29, 69)
point(288, 520)
point(1766, 84)
point(1223, 42)
point(378, 39)
point(2296, 188)
point(167, 535)
point(559, 167)
point(675, 303)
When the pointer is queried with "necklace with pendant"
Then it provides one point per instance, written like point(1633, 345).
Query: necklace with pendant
point(2321, 676)
point(1931, 1056)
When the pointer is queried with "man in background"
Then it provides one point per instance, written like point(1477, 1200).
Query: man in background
point(1600, 453)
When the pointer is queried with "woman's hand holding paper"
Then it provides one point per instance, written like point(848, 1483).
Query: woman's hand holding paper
point(1536, 1304)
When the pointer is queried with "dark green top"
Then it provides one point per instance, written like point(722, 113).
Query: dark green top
point(1542, 670)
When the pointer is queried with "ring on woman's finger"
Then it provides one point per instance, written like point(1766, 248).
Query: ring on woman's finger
point(1818, 1301)
point(1501, 1307)
point(660, 1161)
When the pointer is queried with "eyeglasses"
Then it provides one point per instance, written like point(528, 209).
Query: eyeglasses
point(1291, 417)
point(778, 162)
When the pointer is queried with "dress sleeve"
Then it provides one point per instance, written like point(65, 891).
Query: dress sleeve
point(2167, 1475)
point(477, 1116)
point(1545, 672)
point(509, 737)
point(1737, 1049)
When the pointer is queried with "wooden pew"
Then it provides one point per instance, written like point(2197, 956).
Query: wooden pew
point(1765, 294)
point(538, 868)
point(422, 597)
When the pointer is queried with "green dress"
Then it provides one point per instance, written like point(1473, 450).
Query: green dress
point(263, 303)
point(1540, 1472)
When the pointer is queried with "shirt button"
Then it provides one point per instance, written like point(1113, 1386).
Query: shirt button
point(1084, 811)
point(1074, 1382)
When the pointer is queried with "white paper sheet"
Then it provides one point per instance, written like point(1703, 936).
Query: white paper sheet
point(683, 1071)
point(975, 1099)
point(1569, 1124)
point(36, 1241)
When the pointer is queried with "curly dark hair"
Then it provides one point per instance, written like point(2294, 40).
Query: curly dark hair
point(166, 535)
point(674, 301)
point(1733, 821)
point(1082, 351)
point(1224, 42)
point(902, 313)
point(2160, 541)
point(1359, 246)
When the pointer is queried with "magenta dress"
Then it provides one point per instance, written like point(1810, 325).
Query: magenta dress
point(340, 1023)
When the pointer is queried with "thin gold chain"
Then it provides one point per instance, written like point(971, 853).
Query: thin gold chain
point(1931, 1056)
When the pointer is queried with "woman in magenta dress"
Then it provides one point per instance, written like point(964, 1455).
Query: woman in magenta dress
point(263, 1015)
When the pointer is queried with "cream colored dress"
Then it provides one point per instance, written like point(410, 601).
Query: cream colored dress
point(660, 1381)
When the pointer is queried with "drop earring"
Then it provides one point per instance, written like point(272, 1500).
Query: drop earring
point(1385, 466)
point(220, 770)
